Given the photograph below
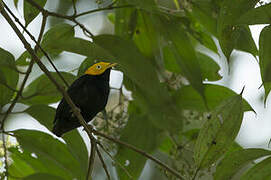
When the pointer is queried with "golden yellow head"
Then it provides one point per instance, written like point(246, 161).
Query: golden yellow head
point(99, 68)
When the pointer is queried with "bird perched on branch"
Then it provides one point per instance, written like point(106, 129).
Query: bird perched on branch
point(89, 93)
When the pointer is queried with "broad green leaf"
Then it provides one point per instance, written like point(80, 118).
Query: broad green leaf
point(25, 58)
point(22, 163)
point(218, 132)
point(187, 98)
point(61, 38)
point(45, 115)
point(265, 58)
point(43, 91)
point(143, 137)
point(42, 176)
point(209, 67)
point(125, 20)
point(184, 52)
point(259, 15)
point(245, 41)
point(77, 148)
point(205, 18)
point(50, 151)
point(227, 32)
point(146, 36)
point(9, 76)
point(30, 12)
point(234, 161)
point(261, 170)
point(142, 73)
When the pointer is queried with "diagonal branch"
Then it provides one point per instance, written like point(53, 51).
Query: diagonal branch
point(103, 163)
point(19, 93)
point(91, 157)
point(38, 43)
point(143, 153)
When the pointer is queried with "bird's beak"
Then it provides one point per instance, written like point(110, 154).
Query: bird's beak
point(112, 65)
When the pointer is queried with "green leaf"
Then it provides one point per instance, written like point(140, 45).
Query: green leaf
point(265, 58)
point(187, 98)
point(51, 152)
point(31, 12)
point(219, 132)
point(184, 52)
point(245, 41)
point(227, 33)
point(77, 148)
point(206, 19)
point(262, 170)
point(146, 36)
point(61, 38)
point(44, 114)
point(142, 73)
point(143, 137)
point(259, 15)
point(43, 91)
point(22, 163)
point(9, 76)
point(125, 20)
point(24, 59)
point(42, 176)
point(209, 67)
point(234, 161)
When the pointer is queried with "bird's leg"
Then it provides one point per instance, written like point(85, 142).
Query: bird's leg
point(106, 119)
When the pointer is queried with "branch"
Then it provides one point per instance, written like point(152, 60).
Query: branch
point(34, 56)
point(115, 161)
point(143, 153)
point(91, 157)
point(103, 163)
point(38, 42)
point(102, 9)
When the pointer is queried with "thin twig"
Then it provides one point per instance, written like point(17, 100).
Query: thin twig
point(74, 7)
point(140, 152)
point(91, 157)
point(38, 43)
point(75, 110)
point(110, 7)
point(103, 163)
point(19, 93)
point(115, 161)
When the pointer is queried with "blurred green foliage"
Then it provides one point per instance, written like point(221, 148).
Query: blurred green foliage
point(175, 113)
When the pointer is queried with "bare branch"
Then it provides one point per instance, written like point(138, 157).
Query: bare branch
point(143, 153)
point(38, 43)
point(103, 163)
point(115, 161)
point(91, 157)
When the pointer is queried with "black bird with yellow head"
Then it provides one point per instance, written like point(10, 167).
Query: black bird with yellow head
point(89, 93)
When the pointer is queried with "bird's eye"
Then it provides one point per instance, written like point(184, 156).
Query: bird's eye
point(98, 67)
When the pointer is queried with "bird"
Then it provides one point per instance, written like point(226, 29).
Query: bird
point(89, 93)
